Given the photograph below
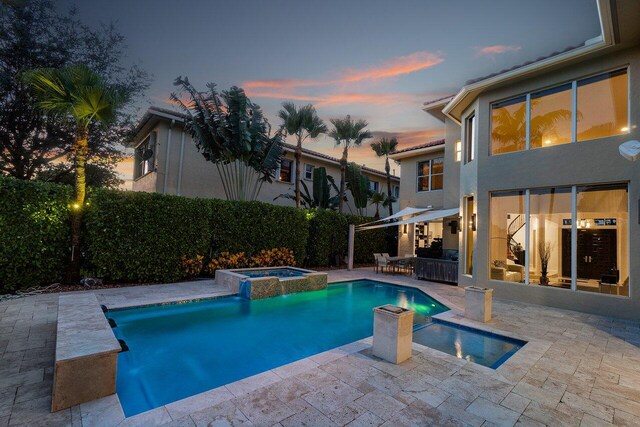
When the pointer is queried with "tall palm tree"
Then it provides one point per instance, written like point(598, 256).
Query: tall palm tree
point(304, 123)
point(377, 199)
point(347, 133)
point(77, 92)
point(383, 148)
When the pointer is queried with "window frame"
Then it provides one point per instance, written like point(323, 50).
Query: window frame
point(470, 137)
point(430, 175)
point(574, 107)
point(291, 171)
point(306, 165)
point(149, 140)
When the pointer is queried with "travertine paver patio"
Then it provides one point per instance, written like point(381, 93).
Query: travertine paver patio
point(578, 369)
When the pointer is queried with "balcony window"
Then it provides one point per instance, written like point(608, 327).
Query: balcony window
point(603, 107)
point(431, 175)
point(509, 126)
point(590, 108)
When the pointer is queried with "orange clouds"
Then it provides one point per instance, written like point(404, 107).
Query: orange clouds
point(286, 88)
point(496, 49)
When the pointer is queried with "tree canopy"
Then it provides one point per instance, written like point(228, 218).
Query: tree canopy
point(35, 144)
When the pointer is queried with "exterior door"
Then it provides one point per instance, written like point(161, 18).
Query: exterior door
point(597, 253)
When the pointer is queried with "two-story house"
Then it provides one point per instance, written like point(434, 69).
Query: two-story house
point(167, 161)
point(549, 209)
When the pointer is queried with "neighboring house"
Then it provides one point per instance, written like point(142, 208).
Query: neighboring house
point(167, 161)
point(531, 160)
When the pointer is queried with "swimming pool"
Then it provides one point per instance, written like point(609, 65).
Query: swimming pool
point(485, 348)
point(179, 350)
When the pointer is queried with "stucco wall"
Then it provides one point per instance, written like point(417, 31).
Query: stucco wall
point(588, 162)
point(199, 178)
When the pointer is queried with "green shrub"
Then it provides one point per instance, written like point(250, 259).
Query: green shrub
point(328, 236)
point(141, 237)
point(34, 233)
point(252, 226)
point(367, 242)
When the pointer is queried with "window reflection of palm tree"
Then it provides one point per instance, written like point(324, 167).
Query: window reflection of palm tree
point(509, 128)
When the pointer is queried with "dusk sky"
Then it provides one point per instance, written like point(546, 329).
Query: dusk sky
point(375, 59)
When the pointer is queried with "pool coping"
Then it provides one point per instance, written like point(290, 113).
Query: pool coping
point(511, 371)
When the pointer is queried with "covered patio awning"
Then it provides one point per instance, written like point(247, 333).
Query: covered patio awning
point(408, 211)
point(425, 217)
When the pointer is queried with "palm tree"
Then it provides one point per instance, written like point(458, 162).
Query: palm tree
point(347, 132)
point(80, 93)
point(383, 148)
point(376, 199)
point(304, 123)
point(231, 132)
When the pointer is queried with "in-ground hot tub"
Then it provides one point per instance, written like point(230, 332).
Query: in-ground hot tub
point(267, 282)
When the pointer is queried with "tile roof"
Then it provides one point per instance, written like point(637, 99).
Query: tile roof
point(524, 64)
point(435, 101)
point(418, 147)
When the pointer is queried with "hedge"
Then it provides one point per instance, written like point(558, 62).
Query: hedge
point(252, 226)
point(133, 236)
point(140, 237)
point(34, 233)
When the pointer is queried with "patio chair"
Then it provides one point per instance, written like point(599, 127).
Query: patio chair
point(381, 263)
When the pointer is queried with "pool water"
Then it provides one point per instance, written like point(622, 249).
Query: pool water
point(179, 350)
point(484, 348)
point(276, 272)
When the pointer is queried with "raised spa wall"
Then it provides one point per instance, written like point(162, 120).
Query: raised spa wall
point(267, 287)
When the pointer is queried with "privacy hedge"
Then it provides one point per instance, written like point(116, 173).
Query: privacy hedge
point(132, 236)
point(34, 233)
point(252, 226)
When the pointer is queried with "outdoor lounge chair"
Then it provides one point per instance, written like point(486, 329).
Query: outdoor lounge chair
point(381, 262)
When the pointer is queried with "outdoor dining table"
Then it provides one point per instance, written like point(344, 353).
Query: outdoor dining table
point(394, 261)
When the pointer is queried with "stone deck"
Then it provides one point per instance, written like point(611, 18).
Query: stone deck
point(577, 369)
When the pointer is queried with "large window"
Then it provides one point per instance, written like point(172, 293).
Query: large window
point(374, 186)
point(508, 126)
point(470, 233)
point(507, 236)
point(567, 237)
point(552, 117)
point(548, 210)
point(603, 107)
point(285, 173)
point(431, 175)
point(470, 138)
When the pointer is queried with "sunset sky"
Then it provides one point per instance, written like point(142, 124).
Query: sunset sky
point(374, 59)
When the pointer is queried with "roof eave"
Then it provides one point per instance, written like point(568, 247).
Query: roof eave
point(417, 152)
point(468, 93)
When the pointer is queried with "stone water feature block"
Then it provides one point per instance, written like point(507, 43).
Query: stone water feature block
point(310, 282)
point(477, 303)
point(392, 333)
point(86, 353)
point(265, 287)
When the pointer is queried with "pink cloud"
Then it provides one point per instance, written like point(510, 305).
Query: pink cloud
point(496, 49)
point(394, 67)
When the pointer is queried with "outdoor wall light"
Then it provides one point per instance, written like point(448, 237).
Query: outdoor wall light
point(473, 222)
point(404, 229)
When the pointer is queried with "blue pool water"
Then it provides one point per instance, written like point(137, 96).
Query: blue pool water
point(276, 272)
point(179, 350)
point(477, 346)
